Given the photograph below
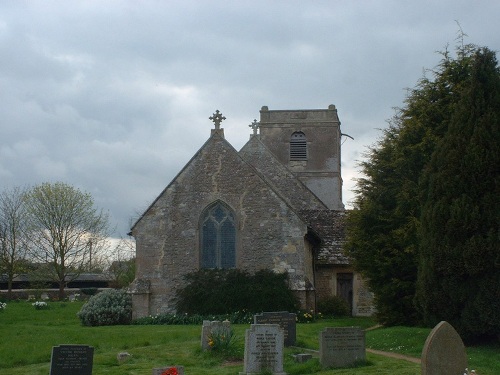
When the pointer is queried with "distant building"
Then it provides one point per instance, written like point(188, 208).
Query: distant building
point(84, 280)
point(275, 204)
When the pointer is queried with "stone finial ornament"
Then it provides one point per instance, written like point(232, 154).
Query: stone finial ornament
point(217, 118)
point(254, 125)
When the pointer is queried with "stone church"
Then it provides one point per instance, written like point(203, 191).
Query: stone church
point(275, 204)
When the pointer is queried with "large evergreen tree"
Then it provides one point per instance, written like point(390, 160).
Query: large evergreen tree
point(459, 267)
point(384, 225)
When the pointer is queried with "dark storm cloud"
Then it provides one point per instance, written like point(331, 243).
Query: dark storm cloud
point(114, 97)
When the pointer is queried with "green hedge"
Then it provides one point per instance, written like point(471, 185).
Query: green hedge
point(215, 291)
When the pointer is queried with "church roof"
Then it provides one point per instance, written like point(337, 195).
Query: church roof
point(329, 225)
point(279, 177)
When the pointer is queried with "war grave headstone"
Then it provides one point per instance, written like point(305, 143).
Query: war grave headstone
point(341, 346)
point(170, 370)
point(72, 360)
point(443, 352)
point(287, 321)
point(213, 327)
point(264, 345)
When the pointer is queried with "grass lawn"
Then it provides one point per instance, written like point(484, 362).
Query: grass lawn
point(28, 335)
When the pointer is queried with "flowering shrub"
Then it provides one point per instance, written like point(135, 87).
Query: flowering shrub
point(307, 316)
point(3, 306)
point(221, 342)
point(220, 339)
point(40, 305)
point(110, 307)
point(238, 317)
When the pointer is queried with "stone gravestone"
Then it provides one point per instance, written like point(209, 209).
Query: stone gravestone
point(178, 370)
point(287, 321)
point(213, 327)
point(443, 352)
point(342, 346)
point(264, 345)
point(71, 360)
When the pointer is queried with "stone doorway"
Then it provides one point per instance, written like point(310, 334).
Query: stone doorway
point(345, 287)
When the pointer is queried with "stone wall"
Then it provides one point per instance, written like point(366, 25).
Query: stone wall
point(269, 233)
point(321, 171)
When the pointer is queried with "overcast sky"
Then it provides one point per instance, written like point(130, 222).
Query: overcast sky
point(113, 97)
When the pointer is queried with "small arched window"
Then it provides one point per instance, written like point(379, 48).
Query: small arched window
point(298, 146)
point(218, 237)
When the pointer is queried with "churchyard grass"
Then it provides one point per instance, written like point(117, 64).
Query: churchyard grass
point(28, 335)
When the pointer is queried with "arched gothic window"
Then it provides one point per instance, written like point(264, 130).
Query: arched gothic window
point(218, 237)
point(298, 146)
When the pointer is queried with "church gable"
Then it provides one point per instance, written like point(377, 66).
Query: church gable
point(283, 181)
point(252, 211)
point(217, 213)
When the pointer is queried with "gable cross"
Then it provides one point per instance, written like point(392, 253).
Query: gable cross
point(254, 125)
point(217, 119)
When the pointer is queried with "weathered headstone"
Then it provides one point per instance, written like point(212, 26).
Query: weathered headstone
point(264, 345)
point(71, 360)
point(443, 352)
point(342, 346)
point(287, 321)
point(210, 328)
point(123, 357)
point(169, 370)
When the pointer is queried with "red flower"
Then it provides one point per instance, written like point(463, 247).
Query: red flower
point(170, 371)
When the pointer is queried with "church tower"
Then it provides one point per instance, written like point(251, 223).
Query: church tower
point(308, 143)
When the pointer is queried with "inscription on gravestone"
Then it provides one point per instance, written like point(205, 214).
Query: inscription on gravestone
point(263, 349)
point(341, 346)
point(443, 352)
point(287, 321)
point(71, 360)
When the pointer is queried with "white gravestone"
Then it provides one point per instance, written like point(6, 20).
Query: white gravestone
point(264, 345)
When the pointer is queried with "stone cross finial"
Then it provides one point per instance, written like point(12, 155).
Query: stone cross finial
point(254, 125)
point(217, 119)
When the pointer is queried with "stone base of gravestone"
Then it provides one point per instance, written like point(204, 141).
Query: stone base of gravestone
point(287, 321)
point(443, 352)
point(342, 346)
point(215, 327)
point(170, 370)
point(71, 360)
point(264, 344)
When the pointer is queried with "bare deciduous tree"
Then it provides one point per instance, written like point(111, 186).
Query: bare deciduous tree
point(66, 230)
point(12, 235)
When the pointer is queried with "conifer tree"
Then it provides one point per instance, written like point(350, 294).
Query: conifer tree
point(383, 228)
point(459, 264)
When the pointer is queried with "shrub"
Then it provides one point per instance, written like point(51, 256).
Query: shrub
point(216, 291)
point(110, 307)
point(336, 306)
point(89, 291)
point(40, 305)
point(238, 317)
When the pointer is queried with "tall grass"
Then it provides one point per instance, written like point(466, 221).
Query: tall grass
point(28, 335)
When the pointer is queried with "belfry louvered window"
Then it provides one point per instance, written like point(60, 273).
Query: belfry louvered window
point(218, 237)
point(298, 146)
